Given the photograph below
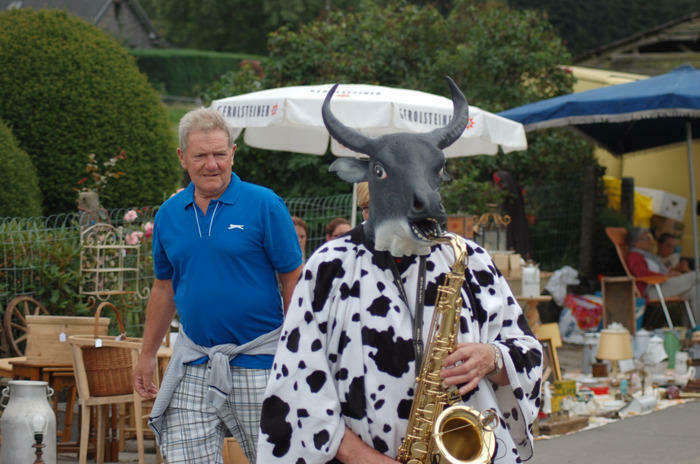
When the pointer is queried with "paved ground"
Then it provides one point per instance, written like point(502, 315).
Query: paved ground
point(668, 436)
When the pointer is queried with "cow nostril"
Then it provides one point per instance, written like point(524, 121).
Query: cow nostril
point(418, 205)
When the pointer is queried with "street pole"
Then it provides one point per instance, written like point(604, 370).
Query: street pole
point(694, 215)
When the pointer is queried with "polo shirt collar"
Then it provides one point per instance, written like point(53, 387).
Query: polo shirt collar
point(229, 196)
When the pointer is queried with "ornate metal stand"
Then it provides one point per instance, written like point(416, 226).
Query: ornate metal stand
point(109, 267)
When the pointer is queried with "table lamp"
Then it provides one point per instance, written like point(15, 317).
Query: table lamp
point(615, 345)
point(38, 425)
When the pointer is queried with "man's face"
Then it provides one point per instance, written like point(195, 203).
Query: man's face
point(668, 247)
point(208, 160)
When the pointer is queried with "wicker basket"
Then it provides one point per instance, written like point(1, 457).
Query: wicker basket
point(108, 367)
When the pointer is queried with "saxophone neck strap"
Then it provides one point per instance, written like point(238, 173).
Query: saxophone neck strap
point(417, 315)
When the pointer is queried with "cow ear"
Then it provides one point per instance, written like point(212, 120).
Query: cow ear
point(350, 169)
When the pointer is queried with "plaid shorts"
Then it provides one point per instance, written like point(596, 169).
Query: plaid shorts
point(193, 431)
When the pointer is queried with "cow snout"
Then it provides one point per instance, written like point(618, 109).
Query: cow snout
point(425, 206)
point(418, 204)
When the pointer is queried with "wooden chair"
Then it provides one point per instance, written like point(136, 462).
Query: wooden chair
point(233, 453)
point(618, 236)
point(111, 363)
point(102, 404)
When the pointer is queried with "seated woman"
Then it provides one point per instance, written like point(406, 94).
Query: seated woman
point(642, 262)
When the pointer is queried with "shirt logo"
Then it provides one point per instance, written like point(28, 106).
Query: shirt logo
point(236, 226)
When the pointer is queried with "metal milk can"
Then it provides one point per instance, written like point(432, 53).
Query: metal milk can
point(531, 280)
point(27, 414)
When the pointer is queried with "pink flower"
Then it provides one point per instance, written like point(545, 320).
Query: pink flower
point(176, 192)
point(130, 215)
point(148, 229)
point(134, 238)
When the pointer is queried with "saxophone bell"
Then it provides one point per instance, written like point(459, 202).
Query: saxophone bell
point(464, 436)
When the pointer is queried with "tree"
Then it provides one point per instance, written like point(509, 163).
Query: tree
point(19, 185)
point(594, 23)
point(231, 25)
point(68, 89)
point(500, 57)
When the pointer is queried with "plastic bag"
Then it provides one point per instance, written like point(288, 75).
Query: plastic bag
point(569, 329)
point(558, 282)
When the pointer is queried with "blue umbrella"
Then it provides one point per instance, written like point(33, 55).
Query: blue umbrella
point(629, 117)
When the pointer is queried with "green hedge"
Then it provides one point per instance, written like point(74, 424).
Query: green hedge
point(68, 89)
point(185, 72)
point(19, 185)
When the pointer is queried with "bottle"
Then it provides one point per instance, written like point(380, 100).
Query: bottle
point(623, 387)
point(547, 395)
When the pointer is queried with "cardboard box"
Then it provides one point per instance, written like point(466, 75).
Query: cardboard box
point(663, 225)
point(47, 336)
point(665, 204)
point(461, 225)
point(565, 387)
point(502, 263)
point(516, 271)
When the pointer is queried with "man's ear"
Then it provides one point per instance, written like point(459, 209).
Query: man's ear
point(181, 155)
point(350, 169)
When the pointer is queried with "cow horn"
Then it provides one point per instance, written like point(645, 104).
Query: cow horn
point(351, 138)
point(446, 136)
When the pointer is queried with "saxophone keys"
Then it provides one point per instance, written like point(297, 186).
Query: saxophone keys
point(418, 448)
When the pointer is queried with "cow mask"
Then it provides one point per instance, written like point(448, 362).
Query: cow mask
point(404, 172)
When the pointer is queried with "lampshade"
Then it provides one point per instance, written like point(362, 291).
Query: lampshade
point(615, 343)
point(549, 331)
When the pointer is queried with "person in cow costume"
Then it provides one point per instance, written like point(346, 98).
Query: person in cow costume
point(344, 373)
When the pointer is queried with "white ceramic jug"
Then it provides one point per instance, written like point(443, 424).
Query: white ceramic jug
point(531, 280)
point(641, 342)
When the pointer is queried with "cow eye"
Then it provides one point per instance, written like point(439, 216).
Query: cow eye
point(380, 172)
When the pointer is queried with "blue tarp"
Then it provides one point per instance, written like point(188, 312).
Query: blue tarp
point(626, 117)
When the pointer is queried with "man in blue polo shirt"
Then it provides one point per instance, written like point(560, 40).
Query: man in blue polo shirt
point(222, 248)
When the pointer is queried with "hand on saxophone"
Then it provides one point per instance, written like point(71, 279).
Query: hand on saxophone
point(468, 364)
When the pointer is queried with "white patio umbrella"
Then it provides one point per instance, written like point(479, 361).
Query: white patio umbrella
point(289, 119)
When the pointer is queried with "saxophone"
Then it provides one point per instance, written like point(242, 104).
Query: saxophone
point(439, 430)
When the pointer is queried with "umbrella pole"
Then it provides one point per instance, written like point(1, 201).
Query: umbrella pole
point(353, 209)
point(693, 213)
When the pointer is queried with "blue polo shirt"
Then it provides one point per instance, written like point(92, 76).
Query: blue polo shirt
point(222, 264)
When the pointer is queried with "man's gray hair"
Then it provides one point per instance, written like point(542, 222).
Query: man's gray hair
point(204, 119)
point(634, 234)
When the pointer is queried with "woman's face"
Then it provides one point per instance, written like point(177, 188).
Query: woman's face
point(644, 242)
point(301, 235)
point(339, 230)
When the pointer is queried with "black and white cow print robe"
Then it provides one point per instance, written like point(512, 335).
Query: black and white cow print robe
point(346, 358)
